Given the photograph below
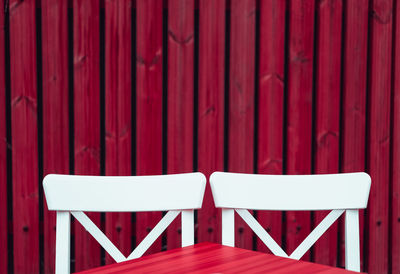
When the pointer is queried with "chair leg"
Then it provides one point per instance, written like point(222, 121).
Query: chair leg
point(63, 243)
point(228, 227)
point(187, 227)
point(352, 238)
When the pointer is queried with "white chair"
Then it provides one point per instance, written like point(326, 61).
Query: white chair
point(337, 192)
point(71, 194)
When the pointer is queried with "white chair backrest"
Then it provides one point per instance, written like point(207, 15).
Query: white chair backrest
point(346, 192)
point(73, 194)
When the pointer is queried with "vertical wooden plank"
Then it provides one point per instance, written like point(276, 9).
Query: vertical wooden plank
point(379, 134)
point(395, 191)
point(299, 107)
point(24, 136)
point(327, 112)
point(3, 147)
point(270, 104)
point(180, 96)
point(149, 103)
point(211, 109)
point(87, 115)
point(241, 99)
point(118, 94)
point(354, 96)
point(55, 108)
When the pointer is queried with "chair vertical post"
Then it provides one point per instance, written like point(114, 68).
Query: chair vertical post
point(187, 227)
point(352, 239)
point(228, 227)
point(63, 243)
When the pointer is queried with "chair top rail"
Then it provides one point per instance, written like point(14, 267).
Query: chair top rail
point(124, 193)
point(290, 192)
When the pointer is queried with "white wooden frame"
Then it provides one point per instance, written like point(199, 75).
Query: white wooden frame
point(347, 192)
point(72, 195)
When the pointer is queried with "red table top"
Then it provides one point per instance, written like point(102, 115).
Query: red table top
point(214, 258)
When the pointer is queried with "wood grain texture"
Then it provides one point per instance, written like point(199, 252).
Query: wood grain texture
point(299, 109)
point(55, 109)
point(215, 258)
point(241, 99)
point(118, 99)
point(86, 115)
point(270, 105)
point(180, 97)
point(327, 114)
point(354, 98)
point(24, 136)
point(149, 93)
point(366, 137)
point(3, 147)
point(379, 134)
point(211, 109)
point(394, 251)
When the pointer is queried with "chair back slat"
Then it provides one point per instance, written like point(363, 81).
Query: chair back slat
point(99, 236)
point(154, 234)
point(124, 193)
point(261, 233)
point(321, 228)
point(290, 192)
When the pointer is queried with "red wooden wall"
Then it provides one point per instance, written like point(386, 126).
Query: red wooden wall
point(139, 87)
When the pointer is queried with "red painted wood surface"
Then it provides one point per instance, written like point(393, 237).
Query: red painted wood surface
point(211, 109)
point(270, 105)
point(395, 184)
point(24, 136)
point(395, 191)
point(149, 94)
point(299, 109)
point(379, 135)
point(86, 115)
point(241, 99)
point(3, 147)
point(215, 258)
point(369, 63)
point(55, 108)
point(354, 97)
point(327, 114)
point(118, 95)
point(180, 96)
